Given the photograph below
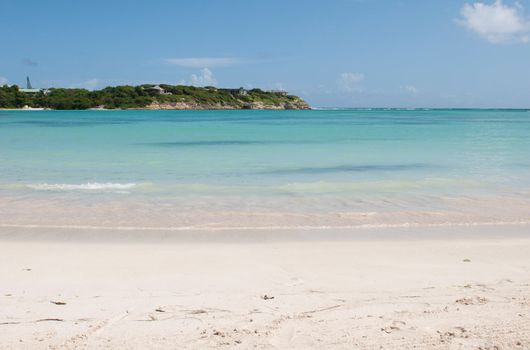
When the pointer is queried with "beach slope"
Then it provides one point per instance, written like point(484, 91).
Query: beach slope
point(435, 288)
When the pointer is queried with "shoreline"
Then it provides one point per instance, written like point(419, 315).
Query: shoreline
point(124, 212)
point(103, 235)
point(311, 108)
point(26, 109)
point(82, 233)
point(158, 109)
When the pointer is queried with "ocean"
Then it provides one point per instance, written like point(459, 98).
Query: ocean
point(227, 170)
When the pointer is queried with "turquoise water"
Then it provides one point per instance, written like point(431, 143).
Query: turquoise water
point(309, 162)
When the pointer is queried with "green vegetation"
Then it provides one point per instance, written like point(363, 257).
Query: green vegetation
point(149, 96)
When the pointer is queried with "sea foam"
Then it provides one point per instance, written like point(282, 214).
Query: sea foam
point(90, 186)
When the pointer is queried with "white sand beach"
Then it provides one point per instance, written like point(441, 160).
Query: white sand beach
point(436, 288)
point(280, 175)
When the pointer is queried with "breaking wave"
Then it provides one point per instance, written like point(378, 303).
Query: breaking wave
point(89, 186)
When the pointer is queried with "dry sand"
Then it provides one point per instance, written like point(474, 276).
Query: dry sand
point(435, 288)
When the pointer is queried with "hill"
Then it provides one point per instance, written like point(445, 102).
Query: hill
point(149, 96)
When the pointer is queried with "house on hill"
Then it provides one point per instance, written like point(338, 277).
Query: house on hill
point(280, 92)
point(157, 90)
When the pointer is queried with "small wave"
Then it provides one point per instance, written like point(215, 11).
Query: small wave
point(90, 186)
point(273, 228)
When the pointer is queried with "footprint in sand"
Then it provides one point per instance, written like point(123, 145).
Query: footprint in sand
point(457, 332)
point(395, 326)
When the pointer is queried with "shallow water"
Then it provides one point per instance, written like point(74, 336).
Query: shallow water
point(224, 169)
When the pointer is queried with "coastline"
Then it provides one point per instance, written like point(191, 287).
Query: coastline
point(25, 109)
point(167, 108)
point(399, 289)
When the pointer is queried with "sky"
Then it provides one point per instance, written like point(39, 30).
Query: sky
point(333, 53)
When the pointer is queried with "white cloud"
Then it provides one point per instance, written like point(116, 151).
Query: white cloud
point(204, 78)
point(3, 81)
point(497, 23)
point(350, 81)
point(201, 62)
point(409, 89)
point(90, 84)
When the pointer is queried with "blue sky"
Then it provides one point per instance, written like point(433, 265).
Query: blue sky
point(358, 53)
